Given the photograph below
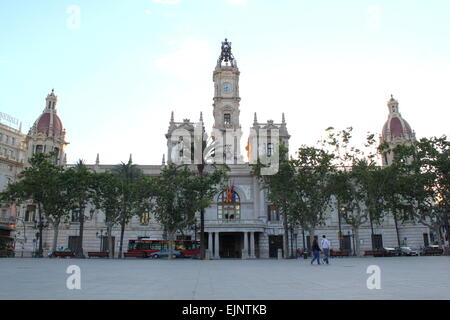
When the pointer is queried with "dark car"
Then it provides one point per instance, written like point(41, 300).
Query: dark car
point(407, 251)
point(432, 250)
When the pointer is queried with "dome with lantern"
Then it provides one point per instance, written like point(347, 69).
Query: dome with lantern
point(396, 128)
point(48, 122)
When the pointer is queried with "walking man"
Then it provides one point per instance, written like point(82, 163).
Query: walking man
point(325, 244)
point(316, 251)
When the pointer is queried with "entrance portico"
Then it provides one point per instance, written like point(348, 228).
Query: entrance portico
point(233, 244)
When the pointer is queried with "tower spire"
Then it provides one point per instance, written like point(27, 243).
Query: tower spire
point(255, 120)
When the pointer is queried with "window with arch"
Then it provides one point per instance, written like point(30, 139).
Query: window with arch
point(229, 205)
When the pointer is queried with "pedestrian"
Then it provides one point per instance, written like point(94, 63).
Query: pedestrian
point(316, 251)
point(325, 244)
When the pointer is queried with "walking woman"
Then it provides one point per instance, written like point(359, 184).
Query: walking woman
point(316, 251)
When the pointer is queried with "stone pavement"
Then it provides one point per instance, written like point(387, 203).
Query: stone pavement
point(344, 278)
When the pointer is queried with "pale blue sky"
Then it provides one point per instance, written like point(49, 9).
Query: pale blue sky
point(130, 63)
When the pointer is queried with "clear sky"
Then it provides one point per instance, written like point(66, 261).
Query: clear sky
point(120, 67)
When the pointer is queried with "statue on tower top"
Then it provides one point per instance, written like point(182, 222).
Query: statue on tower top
point(226, 55)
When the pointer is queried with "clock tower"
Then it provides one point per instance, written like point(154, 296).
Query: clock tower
point(226, 104)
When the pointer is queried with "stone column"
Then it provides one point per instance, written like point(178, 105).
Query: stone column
point(216, 245)
point(245, 254)
point(263, 245)
point(210, 243)
point(252, 245)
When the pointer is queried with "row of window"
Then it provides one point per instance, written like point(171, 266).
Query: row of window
point(9, 153)
point(228, 208)
point(7, 139)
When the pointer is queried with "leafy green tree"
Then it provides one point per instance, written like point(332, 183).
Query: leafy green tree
point(128, 174)
point(107, 197)
point(40, 182)
point(80, 180)
point(425, 182)
point(279, 187)
point(311, 187)
point(175, 200)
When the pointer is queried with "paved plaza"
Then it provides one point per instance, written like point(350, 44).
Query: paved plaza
point(344, 278)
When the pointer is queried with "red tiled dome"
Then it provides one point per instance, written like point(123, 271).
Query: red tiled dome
point(43, 124)
point(395, 126)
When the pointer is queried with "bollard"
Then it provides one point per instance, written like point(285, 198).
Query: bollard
point(207, 254)
point(280, 253)
point(244, 254)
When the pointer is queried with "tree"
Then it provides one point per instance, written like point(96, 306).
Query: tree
point(80, 179)
point(424, 167)
point(107, 197)
point(279, 188)
point(128, 174)
point(311, 187)
point(57, 205)
point(37, 183)
point(175, 200)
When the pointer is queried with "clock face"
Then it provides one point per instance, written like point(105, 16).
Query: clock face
point(227, 87)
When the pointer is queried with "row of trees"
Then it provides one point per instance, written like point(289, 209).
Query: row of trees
point(336, 174)
point(173, 197)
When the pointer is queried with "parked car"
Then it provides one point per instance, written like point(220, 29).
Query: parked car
point(432, 250)
point(392, 251)
point(165, 253)
point(407, 251)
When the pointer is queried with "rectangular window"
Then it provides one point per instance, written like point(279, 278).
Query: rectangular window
point(39, 148)
point(29, 213)
point(227, 118)
point(269, 149)
point(75, 216)
point(273, 213)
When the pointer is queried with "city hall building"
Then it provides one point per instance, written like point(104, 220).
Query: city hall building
point(247, 227)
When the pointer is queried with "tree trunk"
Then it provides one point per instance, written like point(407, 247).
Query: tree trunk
point(171, 235)
point(371, 231)
point(356, 241)
point(396, 229)
point(122, 232)
point(41, 228)
point(110, 242)
point(202, 234)
point(55, 235)
point(286, 236)
point(79, 251)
